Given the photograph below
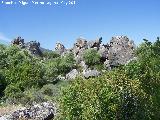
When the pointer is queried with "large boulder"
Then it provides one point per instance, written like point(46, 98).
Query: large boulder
point(72, 74)
point(81, 43)
point(103, 51)
point(90, 73)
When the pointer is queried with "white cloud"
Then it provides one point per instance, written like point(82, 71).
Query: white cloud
point(4, 38)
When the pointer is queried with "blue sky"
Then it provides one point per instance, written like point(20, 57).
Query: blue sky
point(90, 19)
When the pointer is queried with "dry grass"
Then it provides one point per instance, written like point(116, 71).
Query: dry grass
point(8, 109)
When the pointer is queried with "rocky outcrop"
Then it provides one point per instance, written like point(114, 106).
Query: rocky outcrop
point(117, 52)
point(43, 111)
point(95, 43)
point(33, 47)
point(60, 48)
point(120, 51)
point(18, 41)
point(90, 73)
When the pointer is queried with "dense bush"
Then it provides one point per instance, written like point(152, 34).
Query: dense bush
point(112, 96)
point(147, 70)
point(50, 55)
point(125, 93)
point(91, 57)
point(67, 63)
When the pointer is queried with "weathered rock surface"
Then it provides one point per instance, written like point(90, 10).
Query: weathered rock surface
point(118, 51)
point(43, 111)
point(121, 50)
point(60, 48)
point(72, 75)
point(18, 41)
point(33, 47)
point(90, 73)
point(95, 43)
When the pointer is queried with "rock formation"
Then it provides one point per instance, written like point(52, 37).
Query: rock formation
point(18, 41)
point(43, 111)
point(60, 48)
point(33, 47)
point(117, 52)
point(120, 51)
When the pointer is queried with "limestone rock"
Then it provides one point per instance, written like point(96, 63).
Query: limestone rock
point(95, 43)
point(121, 50)
point(60, 48)
point(83, 65)
point(81, 43)
point(72, 75)
point(33, 47)
point(43, 111)
point(91, 73)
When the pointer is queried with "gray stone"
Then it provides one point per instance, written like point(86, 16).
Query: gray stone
point(72, 75)
point(3, 118)
point(33, 47)
point(95, 43)
point(60, 48)
point(83, 65)
point(121, 50)
point(43, 111)
point(91, 73)
point(103, 52)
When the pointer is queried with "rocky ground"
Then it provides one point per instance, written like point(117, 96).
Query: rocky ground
point(43, 111)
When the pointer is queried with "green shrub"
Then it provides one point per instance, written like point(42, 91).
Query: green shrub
point(50, 55)
point(91, 57)
point(31, 96)
point(112, 96)
point(147, 70)
point(50, 90)
point(67, 63)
